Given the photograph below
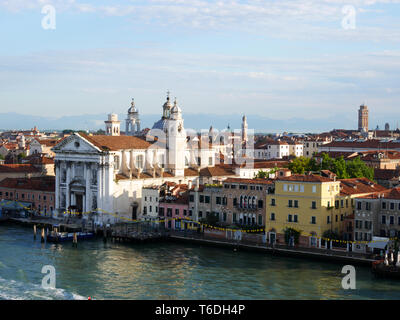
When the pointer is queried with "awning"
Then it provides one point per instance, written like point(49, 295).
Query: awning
point(378, 243)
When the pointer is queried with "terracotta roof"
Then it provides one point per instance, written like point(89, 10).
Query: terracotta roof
point(114, 143)
point(248, 181)
point(40, 184)
point(48, 142)
point(386, 174)
point(16, 168)
point(393, 194)
point(337, 154)
point(378, 155)
point(304, 178)
point(359, 186)
point(376, 144)
point(268, 164)
point(218, 170)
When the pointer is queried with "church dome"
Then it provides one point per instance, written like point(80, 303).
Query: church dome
point(132, 109)
point(160, 124)
point(175, 108)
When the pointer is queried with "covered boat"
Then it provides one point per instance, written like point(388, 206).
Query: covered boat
point(65, 236)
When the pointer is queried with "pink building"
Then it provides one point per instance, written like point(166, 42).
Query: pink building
point(174, 209)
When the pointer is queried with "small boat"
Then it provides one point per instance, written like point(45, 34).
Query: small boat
point(380, 269)
point(65, 236)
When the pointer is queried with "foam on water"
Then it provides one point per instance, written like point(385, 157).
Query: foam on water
point(16, 290)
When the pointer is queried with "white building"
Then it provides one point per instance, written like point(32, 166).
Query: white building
point(105, 174)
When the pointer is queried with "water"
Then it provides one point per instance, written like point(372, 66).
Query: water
point(169, 271)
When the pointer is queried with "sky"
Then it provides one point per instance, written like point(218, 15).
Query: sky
point(277, 59)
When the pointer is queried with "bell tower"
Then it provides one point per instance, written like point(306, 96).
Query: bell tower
point(113, 125)
point(176, 142)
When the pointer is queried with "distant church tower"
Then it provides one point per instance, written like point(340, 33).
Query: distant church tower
point(132, 122)
point(176, 135)
point(363, 118)
point(244, 130)
point(113, 125)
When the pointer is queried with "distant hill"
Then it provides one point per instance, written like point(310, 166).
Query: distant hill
point(196, 121)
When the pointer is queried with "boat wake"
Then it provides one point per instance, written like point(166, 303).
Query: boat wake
point(17, 290)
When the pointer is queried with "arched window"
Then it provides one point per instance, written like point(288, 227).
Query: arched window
point(241, 202)
point(245, 202)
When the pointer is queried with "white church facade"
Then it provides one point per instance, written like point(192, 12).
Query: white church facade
point(102, 176)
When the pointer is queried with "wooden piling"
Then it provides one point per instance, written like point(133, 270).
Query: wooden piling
point(34, 232)
point(75, 240)
point(43, 238)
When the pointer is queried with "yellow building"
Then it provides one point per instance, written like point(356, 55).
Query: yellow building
point(312, 204)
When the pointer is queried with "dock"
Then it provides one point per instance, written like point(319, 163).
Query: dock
point(135, 233)
point(281, 250)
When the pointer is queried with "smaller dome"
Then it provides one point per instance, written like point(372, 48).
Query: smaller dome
point(132, 109)
point(175, 108)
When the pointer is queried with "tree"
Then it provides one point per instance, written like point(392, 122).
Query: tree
point(300, 165)
point(1, 157)
point(261, 174)
point(358, 169)
point(340, 168)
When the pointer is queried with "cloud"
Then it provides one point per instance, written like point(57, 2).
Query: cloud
point(300, 19)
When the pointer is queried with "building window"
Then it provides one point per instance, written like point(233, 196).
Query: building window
point(314, 189)
point(234, 217)
point(260, 204)
point(116, 162)
point(328, 219)
point(273, 202)
point(313, 220)
point(290, 204)
point(207, 199)
point(218, 200)
point(139, 161)
point(383, 219)
point(289, 218)
point(177, 212)
point(392, 206)
point(200, 214)
point(295, 218)
point(391, 220)
point(314, 205)
point(296, 203)
point(359, 205)
point(191, 198)
point(383, 205)
point(272, 217)
point(202, 198)
point(260, 222)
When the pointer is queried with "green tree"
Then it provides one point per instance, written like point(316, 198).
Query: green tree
point(358, 169)
point(340, 168)
point(261, 174)
point(300, 165)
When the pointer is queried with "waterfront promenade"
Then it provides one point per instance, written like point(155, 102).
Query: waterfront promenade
point(144, 233)
point(335, 255)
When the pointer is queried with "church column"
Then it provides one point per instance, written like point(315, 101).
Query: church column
point(57, 173)
point(68, 181)
point(88, 176)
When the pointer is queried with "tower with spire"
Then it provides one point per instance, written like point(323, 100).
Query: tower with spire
point(244, 130)
point(132, 122)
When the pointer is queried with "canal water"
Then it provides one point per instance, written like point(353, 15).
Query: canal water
point(169, 271)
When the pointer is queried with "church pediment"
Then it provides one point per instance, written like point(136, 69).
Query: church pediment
point(75, 144)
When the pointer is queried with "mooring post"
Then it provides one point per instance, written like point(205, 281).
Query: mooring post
point(34, 232)
point(43, 237)
point(75, 240)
